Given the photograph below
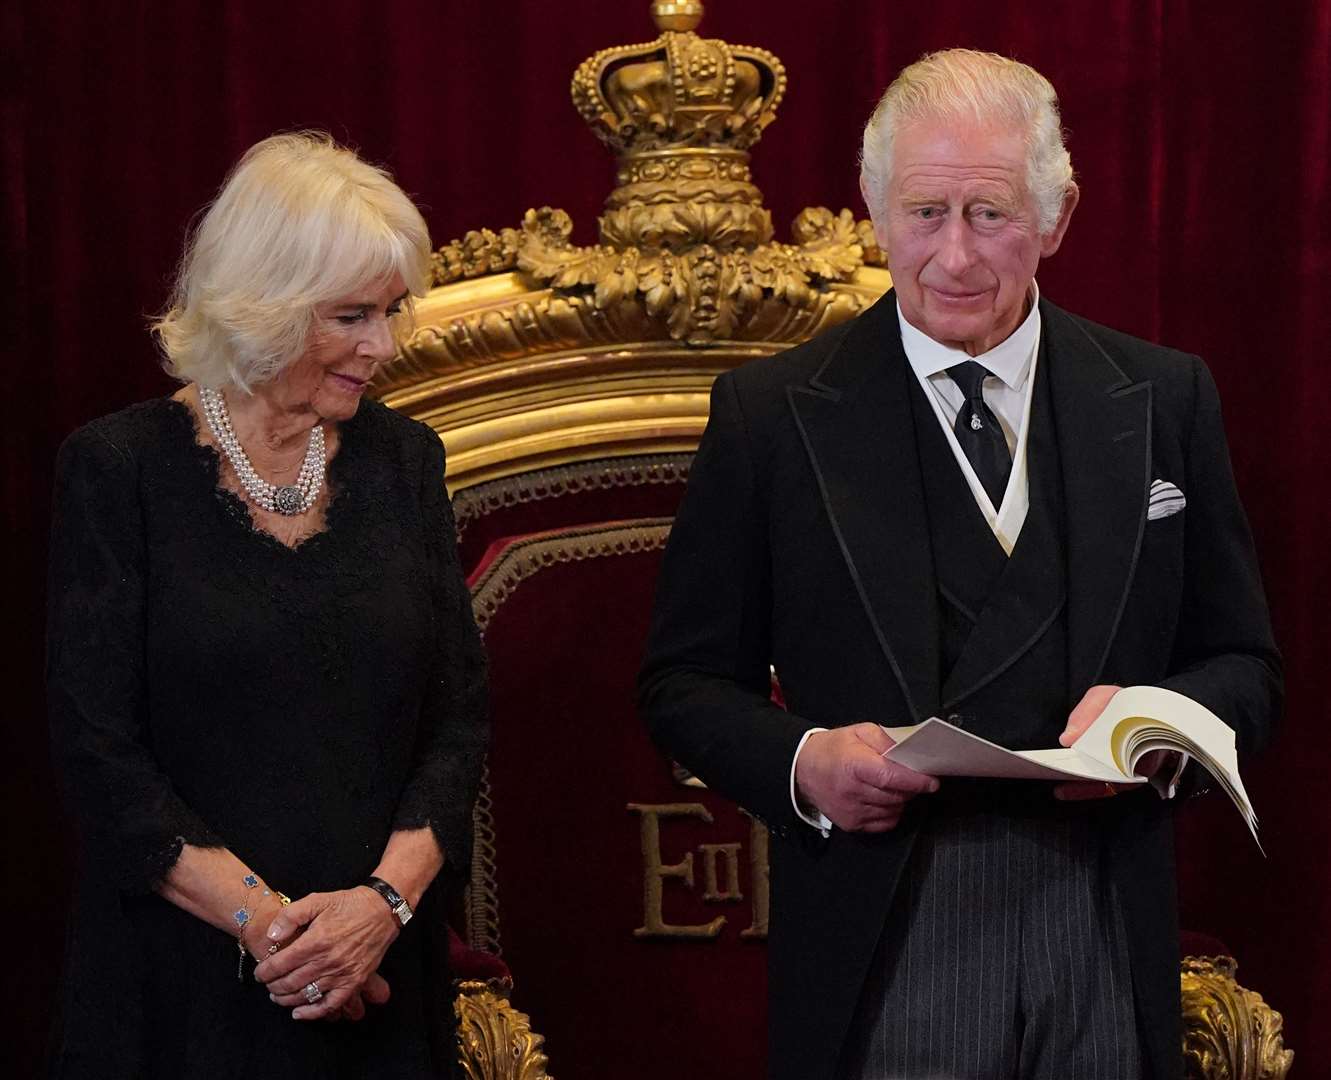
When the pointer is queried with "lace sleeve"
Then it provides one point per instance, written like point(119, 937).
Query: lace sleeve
point(454, 725)
point(131, 819)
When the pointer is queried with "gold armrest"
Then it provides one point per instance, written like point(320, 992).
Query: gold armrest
point(495, 1040)
point(1229, 1032)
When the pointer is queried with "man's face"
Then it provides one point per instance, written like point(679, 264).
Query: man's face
point(961, 231)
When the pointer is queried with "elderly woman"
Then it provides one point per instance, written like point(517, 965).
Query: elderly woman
point(265, 681)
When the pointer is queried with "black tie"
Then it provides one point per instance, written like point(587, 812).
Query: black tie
point(978, 432)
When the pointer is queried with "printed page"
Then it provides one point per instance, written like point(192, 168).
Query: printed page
point(940, 749)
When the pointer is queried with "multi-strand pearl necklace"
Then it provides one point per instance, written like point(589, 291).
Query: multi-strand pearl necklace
point(287, 499)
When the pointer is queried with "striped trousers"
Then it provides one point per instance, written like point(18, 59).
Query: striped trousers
point(1003, 958)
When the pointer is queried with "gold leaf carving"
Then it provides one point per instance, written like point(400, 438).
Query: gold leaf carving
point(544, 252)
point(478, 253)
point(705, 291)
point(1229, 1033)
point(495, 1041)
point(830, 244)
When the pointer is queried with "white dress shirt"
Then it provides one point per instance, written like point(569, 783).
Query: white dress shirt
point(1007, 391)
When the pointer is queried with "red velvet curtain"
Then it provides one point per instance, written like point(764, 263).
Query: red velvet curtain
point(1199, 131)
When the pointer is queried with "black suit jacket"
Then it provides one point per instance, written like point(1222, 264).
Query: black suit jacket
point(802, 543)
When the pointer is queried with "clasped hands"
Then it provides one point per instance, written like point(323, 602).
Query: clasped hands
point(337, 939)
point(842, 772)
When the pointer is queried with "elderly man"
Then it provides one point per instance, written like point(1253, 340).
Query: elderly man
point(966, 502)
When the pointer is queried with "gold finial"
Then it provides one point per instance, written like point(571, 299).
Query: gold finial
point(678, 15)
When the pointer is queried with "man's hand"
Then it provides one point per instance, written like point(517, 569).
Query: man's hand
point(1088, 710)
point(844, 774)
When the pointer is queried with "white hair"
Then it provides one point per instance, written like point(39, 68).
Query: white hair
point(299, 222)
point(980, 87)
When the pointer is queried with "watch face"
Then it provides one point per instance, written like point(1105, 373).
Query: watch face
point(403, 912)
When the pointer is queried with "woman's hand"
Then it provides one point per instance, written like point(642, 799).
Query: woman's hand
point(374, 992)
point(267, 909)
point(345, 936)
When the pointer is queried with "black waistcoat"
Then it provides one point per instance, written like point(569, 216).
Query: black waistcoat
point(1003, 629)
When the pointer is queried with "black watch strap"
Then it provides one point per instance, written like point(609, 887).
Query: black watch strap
point(396, 904)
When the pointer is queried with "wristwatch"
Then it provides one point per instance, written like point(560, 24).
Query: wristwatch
point(392, 898)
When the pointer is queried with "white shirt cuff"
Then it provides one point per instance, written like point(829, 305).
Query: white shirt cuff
point(816, 819)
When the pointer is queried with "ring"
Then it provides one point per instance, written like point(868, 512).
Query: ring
point(312, 992)
point(272, 949)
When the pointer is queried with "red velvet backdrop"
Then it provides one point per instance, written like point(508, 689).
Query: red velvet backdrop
point(1200, 133)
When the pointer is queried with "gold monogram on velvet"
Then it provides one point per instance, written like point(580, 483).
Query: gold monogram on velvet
point(1002, 620)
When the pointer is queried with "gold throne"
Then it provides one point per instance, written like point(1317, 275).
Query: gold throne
point(570, 386)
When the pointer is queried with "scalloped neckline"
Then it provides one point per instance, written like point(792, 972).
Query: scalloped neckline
point(238, 510)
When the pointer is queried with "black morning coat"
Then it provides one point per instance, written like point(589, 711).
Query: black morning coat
point(802, 543)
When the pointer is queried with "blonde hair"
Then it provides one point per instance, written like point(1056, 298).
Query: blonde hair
point(300, 221)
point(983, 88)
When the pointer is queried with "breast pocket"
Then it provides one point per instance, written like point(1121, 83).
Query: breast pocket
point(1150, 617)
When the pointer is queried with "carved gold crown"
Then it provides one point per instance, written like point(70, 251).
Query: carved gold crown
point(681, 112)
point(679, 90)
point(686, 245)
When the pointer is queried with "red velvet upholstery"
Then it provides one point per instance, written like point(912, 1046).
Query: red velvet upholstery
point(1198, 943)
point(568, 757)
point(475, 964)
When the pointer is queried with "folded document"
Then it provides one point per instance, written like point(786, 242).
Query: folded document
point(1137, 720)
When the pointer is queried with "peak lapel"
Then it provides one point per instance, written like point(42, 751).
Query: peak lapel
point(855, 419)
point(1104, 437)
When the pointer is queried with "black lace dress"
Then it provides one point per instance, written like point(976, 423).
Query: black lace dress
point(210, 685)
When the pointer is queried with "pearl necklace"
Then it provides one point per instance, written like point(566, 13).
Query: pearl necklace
point(286, 499)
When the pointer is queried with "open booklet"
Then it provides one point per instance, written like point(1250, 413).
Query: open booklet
point(1137, 720)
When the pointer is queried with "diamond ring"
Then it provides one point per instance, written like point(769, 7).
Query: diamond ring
point(312, 992)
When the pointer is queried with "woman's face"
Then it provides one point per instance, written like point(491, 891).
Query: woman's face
point(350, 338)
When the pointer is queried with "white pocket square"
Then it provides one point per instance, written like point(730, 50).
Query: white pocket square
point(1166, 499)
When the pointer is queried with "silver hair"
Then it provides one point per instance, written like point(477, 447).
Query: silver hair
point(300, 221)
point(981, 87)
